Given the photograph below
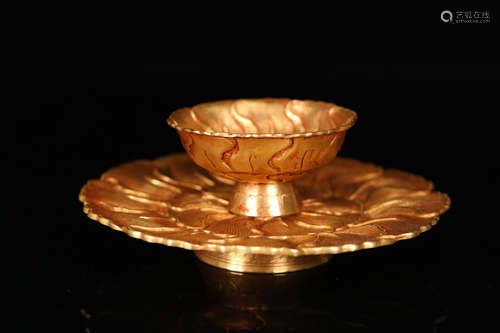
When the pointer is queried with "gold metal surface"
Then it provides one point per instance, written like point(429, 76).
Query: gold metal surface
point(347, 205)
point(260, 263)
point(262, 141)
point(261, 190)
point(264, 200)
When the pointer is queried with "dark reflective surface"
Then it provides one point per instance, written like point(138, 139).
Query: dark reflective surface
point(195, 297)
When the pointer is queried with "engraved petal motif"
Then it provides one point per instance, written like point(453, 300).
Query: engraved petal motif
point(227, 137)
point(340, 178)
point(348, 205)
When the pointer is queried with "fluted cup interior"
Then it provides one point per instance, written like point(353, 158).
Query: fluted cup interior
point(276, 117)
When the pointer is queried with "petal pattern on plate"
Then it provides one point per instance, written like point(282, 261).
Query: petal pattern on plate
point(339, 179)
point(137, 178)
point(426, 206)
point(347, 205)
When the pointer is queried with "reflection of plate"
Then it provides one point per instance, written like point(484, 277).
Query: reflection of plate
point(357, 294)
point(347, 205)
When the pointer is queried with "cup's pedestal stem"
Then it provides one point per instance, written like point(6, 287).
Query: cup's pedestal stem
point(264, 200)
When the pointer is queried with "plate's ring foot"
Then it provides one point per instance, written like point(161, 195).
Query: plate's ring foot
point(260, 263)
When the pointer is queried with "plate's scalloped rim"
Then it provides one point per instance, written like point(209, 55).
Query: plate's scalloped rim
point(245, 249)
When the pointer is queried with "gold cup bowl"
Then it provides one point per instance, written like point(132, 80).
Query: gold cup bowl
point(263, 145)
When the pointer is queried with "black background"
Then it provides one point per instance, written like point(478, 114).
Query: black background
point(76, 118)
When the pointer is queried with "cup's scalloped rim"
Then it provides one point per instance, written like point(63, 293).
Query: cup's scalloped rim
point(173, 123)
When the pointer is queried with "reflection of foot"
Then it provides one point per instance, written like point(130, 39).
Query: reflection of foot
point(294, 319)
point(353, 293)
point(257, 291)
point(318, 300)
